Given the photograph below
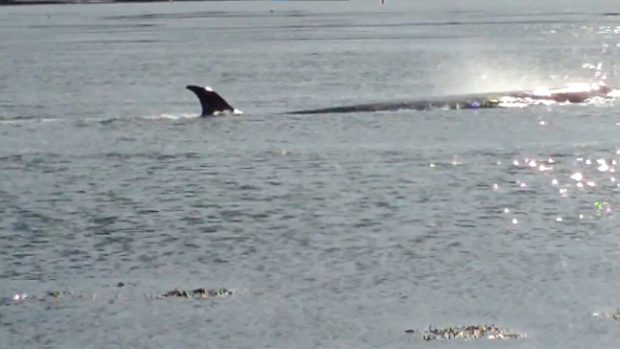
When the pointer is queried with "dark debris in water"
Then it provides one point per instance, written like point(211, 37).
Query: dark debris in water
point(199, 293)
point(467, 332)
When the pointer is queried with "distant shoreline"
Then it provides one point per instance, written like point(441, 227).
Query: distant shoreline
point(66, 2)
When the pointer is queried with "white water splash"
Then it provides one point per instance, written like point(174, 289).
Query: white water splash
point(183, 116)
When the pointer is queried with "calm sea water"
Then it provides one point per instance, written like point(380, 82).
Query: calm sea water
point(334, 231)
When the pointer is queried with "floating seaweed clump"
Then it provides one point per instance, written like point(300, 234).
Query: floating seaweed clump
point(468, 332)
point(59, 294)
point(199, 293)
point(56, 295)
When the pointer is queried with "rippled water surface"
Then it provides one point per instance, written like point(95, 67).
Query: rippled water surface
point(333, 231)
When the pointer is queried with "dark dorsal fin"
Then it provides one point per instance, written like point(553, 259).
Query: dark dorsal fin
point(212, 103)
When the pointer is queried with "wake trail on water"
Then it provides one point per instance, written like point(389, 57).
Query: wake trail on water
point(23, 120)
point(27, 119)
point(149, 117)
point(165, 116)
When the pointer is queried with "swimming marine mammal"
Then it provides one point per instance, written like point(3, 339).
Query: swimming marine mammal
point(213, 104)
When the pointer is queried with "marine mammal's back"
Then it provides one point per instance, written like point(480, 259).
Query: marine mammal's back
point(213, 104)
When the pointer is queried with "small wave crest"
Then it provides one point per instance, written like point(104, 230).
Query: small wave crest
point(152, 117)
point(140, 118)
point(182, 116)
point(614, 93)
